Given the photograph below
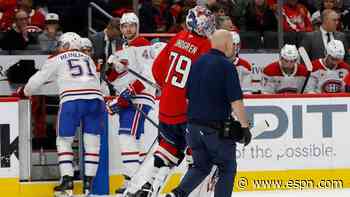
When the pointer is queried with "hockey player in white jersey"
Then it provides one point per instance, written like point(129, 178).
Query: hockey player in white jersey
point(328, 73)
point(285, 75)
point(134, 92)
point(243, 67)
point(81, 102)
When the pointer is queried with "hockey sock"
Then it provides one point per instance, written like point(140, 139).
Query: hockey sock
point(92, 150)
point(65, 155)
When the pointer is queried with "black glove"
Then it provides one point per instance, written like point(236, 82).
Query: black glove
point(247, 136)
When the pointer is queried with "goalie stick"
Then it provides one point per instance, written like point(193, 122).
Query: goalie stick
point(305, 57)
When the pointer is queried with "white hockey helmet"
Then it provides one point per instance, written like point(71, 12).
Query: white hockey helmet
point(335, 49)
point(289, 52)
point(236, 38)
point(129, 17)
point(201, 21)
point(69, 40)
point(85, 43)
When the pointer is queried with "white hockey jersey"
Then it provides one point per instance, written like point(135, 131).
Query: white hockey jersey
point(244, 69)
point(75, 74)
point(140, 60)
point(325, 80)
point(275, 80)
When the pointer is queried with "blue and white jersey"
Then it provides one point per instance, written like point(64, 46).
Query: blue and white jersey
point(75, 74)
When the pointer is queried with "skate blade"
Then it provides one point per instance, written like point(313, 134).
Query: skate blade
point(66, 193)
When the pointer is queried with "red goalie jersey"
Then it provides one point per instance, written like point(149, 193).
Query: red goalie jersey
point(171, 69)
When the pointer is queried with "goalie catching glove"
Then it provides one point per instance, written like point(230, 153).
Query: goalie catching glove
point(124, 99)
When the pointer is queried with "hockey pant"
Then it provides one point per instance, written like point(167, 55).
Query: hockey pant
point(131, 130)
point(89, 114)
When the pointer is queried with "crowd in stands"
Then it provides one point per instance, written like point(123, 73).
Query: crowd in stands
point(22, 21)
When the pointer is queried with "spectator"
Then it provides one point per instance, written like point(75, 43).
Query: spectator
point(36, 17)
point(236, 10)
point(225, 22)
point(329, 72)
point(316, 16)
point(285, 75)
point(18, 37)
point(107, 41)
point(296, 17)
point(259, 17)
point(180, 22)
point(218, 9)
point(48, 39)
point(315, 42)
point(147, 15)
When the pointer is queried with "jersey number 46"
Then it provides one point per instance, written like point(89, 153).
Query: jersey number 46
point(182, 66)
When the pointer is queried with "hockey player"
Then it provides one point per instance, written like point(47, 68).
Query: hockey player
point(129, 26)
point(81, 101)
point(243, 67)
point(328, 73)
point(134, 93)
point(170, 70)
point(86, 46)
point(285, 75)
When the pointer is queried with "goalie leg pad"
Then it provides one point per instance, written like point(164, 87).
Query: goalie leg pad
point(65, 155)
point(92, 150)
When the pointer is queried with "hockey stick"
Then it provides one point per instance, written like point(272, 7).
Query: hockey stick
point(149, 82)
point(305, 57)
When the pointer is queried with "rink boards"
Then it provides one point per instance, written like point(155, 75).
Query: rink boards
point(307, 142)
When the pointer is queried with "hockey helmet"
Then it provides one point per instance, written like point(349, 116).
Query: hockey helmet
point(69, 40)
point(85, 43)
point(335, 49)
point(130, 18)
point(289, 52)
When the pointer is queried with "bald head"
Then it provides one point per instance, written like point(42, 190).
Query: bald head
point(222, 40)
point(330, 20)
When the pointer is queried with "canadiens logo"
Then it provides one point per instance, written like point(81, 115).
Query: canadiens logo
point(332, 86)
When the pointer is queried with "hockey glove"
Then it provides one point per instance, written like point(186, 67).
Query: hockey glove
point(134, 88)
point(19, 93)
point(247, 136)
point(115, 105)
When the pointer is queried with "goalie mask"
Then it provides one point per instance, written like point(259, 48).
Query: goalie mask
point(68, 41)
point(201, 21)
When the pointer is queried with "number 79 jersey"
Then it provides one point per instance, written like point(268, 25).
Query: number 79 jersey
point(75, 74)
point(171, 69)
